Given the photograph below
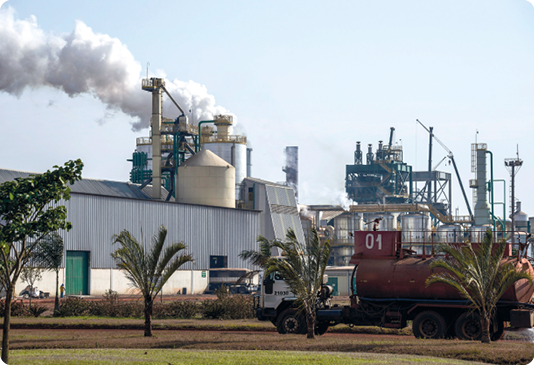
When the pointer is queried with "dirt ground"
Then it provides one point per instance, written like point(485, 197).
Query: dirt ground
point(201, 334)
point(502, 352)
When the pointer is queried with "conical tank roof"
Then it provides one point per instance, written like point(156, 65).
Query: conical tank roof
point(205, 158)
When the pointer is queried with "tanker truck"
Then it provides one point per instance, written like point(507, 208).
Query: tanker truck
point(389, 289)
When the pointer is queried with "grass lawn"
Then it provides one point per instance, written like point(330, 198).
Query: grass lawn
point(167, 357)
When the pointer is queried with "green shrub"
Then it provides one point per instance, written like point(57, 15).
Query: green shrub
point(111, 307)
point(37, 310)
point(213, 309)
point(178, 309)
point(228, 306)
point(17, 309)
point(73, 306)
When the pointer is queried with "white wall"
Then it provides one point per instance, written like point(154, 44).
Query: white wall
point(46, 284)
point(101, 280)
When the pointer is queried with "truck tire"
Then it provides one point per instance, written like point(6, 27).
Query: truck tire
point(321, 329)
point(429, 324)
point(468, 327)
point(291, 322)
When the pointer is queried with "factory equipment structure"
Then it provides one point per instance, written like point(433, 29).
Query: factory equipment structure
point(172, 142)
point(392, 197)
point(385, 179)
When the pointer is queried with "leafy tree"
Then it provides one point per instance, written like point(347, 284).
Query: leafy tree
point(479, 275)
point(27, 214)
point(149, 271)
point(302, 266)
point(31, 275)
point(49, 254)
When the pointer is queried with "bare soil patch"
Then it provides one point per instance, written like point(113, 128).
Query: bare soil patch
point(504, 352)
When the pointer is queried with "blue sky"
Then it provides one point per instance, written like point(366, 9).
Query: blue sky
point(318, 75)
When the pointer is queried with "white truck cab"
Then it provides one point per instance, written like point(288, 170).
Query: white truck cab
point(277, 303)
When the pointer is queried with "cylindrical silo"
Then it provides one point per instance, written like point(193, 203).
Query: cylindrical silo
point(232, 149)
point(416, 231)
point(345, 225)
point(387, 222)
point(476, 233)
point(206, 179)
point(450, 233)
point(521, 219)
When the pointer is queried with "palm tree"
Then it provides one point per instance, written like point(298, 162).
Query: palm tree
point(479, 275)
point(256, 258)
point(149, 271)
point(49, 254)
point(302, 266)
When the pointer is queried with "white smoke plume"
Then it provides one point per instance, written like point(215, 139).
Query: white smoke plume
point(84, 62)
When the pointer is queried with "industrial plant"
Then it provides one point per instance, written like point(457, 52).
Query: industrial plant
point(197, 180)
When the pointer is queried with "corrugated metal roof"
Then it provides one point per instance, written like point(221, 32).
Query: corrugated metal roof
point(116, 189)
point(265, 182)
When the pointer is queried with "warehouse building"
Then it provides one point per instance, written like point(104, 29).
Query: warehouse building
point(214, 235)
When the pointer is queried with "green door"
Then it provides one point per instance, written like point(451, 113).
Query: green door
point(333, 283)
point(77, 273)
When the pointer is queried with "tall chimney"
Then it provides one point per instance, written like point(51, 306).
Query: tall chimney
point(156, 137)
point(292, 168)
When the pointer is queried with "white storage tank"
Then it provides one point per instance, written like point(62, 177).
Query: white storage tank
point(345, 225)
point(476, 233)
point(415, 227)
point(206, 179)
point(450, 233)
point(521, 219)
point(388, 222)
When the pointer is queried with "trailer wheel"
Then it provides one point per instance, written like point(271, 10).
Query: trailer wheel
point(468, 327)
point(321, 329)
point(291, 322)
point(429, 324)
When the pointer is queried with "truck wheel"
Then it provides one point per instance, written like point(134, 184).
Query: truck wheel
point(497, 335)
point(429, 324)
point(468, 327)
point(321, 329)
point(291, 322)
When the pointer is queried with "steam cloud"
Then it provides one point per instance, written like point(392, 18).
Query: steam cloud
point(84, 62)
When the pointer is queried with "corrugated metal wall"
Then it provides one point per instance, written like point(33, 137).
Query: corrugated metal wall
point(205, 230)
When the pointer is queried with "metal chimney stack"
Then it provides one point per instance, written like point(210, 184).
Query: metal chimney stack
point(156, 136)
point(292, 168)
point(482, 208)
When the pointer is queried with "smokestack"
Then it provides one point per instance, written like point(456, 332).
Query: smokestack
point(358, 154)
point(482, 208)
point(292, 168)
point(156, 136)
point(370, 154)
